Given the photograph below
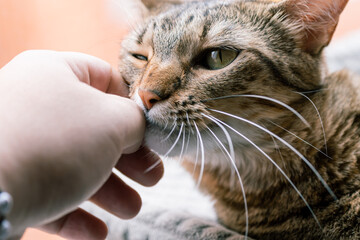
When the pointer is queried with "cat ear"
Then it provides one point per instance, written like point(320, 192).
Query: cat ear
point(317, 19)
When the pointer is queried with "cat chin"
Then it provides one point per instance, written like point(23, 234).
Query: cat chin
point(173, 144)
point(160, 141)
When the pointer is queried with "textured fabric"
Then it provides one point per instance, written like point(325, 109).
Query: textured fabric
point(174, 209)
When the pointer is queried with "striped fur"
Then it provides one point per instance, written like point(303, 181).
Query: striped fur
point(279, 45)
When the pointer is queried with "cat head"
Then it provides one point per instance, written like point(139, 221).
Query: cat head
point(189, 59)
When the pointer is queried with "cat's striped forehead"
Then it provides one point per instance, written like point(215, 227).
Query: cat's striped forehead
point(197, 26)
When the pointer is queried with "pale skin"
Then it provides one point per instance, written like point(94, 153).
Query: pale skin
point(63, 128)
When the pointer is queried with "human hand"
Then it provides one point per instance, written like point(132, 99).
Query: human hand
point(61, 135)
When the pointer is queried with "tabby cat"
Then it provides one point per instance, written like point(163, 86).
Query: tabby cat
point(240, 93)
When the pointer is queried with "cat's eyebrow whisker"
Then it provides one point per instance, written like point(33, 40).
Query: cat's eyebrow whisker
point(264, 98)
point(202, 155)
point(286, 144)
point(275, 164)
point(300, 138)
point(231, 156)
point(320, 119)
point(129, 16)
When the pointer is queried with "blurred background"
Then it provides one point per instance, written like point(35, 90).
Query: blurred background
point(90, 26)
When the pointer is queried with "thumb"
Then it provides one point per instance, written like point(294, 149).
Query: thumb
point(128, 117)
point(96, 72)
point(130, 123)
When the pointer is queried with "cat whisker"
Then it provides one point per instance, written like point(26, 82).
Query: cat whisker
point(231, 156)
point(154, 165)
point(188, 121)
point(300, 138)
point(157, 163)
point(187, 143)
point(176, 141)
point(278, 150)
point(265, 98)
point(286, 144)
point(168, 152)
point(171, 132)
point(275, 164)
point(166, 124)
point(231, 145)
point(202, 155)
point(314, 91)
point(182, 146)
point(197, 154)
point(129, 17)
point(320, 119)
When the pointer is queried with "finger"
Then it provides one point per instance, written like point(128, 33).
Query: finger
point(117, 84)
point(128, 123)
point(143, 166)
point(97, 73)
point(77, 225)
point(118, 198)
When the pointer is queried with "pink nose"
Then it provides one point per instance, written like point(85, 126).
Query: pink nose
point(148, 98)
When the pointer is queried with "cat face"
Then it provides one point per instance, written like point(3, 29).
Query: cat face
point(195, 60)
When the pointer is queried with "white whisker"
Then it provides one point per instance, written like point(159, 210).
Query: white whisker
point(197, 153)
point(268, 99)
point(279, 151)
point(276, 165)
point(166, 124)
point(320, 119)
point(286, 144)
point(314, 91)
point(172, 130)
point(188, 120)
point(232, 161)
point(187, 143)
point(153, 166)
point(182, 146)
point(166, 154)
point(300, 138)
point(202, 155)
point(176, 141)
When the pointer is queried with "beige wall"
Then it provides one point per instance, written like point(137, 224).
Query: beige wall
point(66, 25)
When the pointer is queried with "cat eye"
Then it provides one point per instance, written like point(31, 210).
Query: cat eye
point(140, 57)
point(215, 59)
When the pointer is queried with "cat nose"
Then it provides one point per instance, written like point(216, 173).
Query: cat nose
point(148, 98)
